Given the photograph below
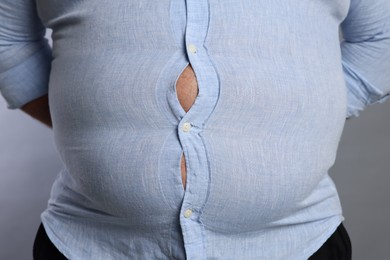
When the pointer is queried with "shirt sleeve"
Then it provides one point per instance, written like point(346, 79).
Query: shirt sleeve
point(366, 54)
point(25, 55)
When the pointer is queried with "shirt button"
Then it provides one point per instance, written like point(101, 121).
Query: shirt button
point(188, 213)
point(192, 48)
point(186, 127)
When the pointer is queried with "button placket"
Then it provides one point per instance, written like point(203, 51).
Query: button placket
point(191, 125)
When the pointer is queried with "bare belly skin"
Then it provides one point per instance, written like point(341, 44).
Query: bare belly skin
point(186, 90)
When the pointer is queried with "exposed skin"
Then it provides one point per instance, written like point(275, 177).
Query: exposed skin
point(39, 109)
point(186, 89)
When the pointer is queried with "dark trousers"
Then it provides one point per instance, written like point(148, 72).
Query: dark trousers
point(43, 248)
point(337, 247)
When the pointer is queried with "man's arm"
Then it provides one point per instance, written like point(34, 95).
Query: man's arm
point(366, 54)
point(39, 109)
point(25, 59)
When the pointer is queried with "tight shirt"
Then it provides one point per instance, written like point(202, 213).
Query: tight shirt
point(276, 85)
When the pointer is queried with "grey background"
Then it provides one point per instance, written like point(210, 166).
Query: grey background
point(29, 165)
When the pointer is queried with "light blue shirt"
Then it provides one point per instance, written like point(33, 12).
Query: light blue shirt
point(275, 88)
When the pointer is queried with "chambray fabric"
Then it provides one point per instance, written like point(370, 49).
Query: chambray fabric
point(275, 88)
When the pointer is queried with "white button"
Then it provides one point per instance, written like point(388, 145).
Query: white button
point(186, 127)
point(192, 48)
point(188, 213)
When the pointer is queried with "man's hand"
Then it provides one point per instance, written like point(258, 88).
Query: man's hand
point(39, 109)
